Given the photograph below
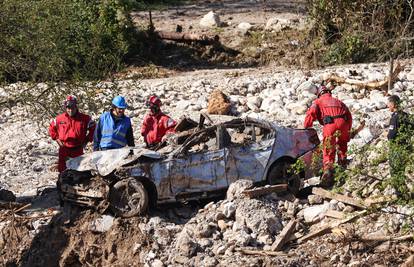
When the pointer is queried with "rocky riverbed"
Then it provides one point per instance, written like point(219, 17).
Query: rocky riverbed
point(220, 232)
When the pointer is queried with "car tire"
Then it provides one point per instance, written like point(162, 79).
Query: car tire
point(128, 198)
point(279, 174)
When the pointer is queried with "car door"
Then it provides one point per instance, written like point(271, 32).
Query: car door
point(248, 158)
point(198, 170)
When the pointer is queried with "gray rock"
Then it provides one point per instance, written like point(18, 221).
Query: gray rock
point(315, 199)
point(185, 245)
point(258, 216)
point(229, 209)
point(235, 189)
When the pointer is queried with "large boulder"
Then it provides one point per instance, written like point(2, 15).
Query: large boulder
point(259, 217)
point(218, 103)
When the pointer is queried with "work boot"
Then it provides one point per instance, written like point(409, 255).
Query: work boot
point(7, 195)
point(343, 163)
point(327, 179)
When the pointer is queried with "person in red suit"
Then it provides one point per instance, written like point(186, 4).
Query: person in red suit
point(72, 130)
point(336, 119)
point(156, 124)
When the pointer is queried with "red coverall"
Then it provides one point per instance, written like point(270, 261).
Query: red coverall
point(155, 126)
point(74, 132)
point(334, 134)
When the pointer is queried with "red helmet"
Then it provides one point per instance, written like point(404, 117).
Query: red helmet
point(71, 101)
point(322, 89)
point(154, 101)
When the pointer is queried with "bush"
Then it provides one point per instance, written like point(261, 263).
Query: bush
point(61, 39)
point(363, 30)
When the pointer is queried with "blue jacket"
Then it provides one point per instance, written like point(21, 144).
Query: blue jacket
point(112, 132)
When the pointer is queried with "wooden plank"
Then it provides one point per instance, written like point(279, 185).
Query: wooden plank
point(378, 200)
point(328, 228)
point(335, 214)
point(259, 191)
point(342, 198)
point(284, 236)
point(387, 238)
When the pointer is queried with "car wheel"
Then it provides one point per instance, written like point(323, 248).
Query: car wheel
point(128, 198)
point(280, 174)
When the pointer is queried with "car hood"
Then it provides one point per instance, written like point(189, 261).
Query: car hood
point(105, 162)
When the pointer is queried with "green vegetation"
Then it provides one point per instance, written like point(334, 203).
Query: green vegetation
point(362, 30)
point(51, 40)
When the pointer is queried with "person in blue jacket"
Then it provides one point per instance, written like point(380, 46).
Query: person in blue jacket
point(114, 129)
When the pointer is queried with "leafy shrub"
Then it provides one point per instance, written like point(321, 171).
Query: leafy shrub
point(362, 30)
point(62, 39)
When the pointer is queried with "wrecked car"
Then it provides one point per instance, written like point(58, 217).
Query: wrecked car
point(201, 160)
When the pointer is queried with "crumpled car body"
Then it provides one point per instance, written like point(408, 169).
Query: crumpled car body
point(205, 159)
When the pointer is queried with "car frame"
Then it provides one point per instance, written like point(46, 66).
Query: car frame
point(201, 160)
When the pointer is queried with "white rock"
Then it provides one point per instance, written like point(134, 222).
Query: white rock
point(312, 213)
point(244, 27)
point(102, 224)
point(277, 24)
point(410, 75)
point(308, 87)
point(210, 20)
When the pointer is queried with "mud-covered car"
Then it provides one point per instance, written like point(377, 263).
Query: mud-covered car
point(201, 160)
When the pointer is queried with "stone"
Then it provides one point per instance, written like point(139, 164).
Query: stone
point(229, 209)
point(235, 189)
point(244, 27)
point(222, 225)
point(205, 229)
point(210, 20)
point(315, 199)
point(308, 87)
point(157, 263)
point(185, 245)
point(315, 212)
point(277, 24)
point(7, 195)
point(102, 224)
point(258, 216)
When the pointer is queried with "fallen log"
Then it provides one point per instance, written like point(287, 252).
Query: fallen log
point(369, 85)
point(259, 191)
point(260, 252)
point(187, 37)
point(342, 198)
point(284, 236)
point(328, 228)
